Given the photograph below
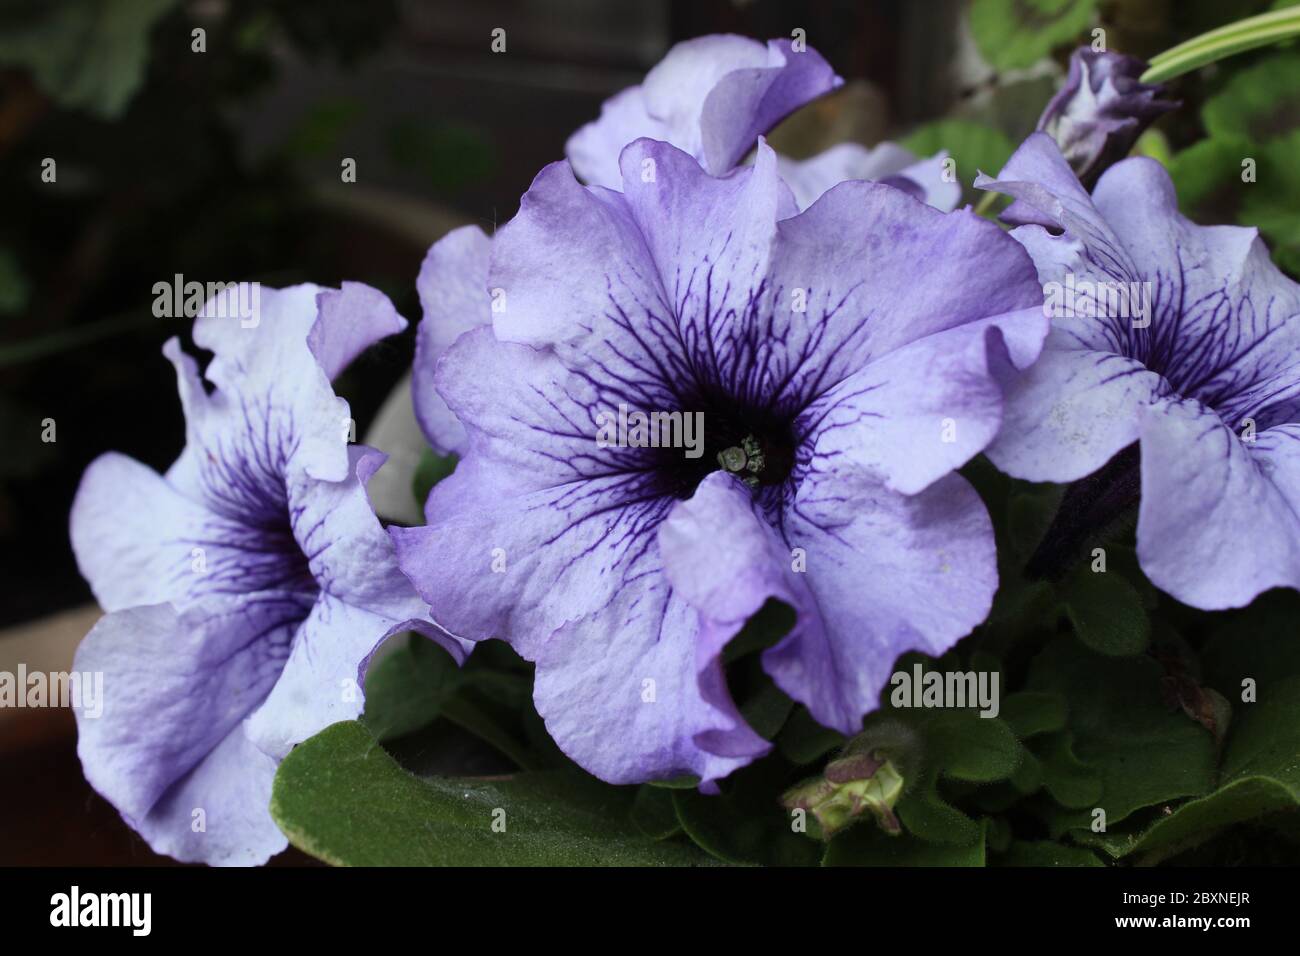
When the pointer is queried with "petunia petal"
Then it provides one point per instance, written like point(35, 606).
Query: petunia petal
point(176, 684)
point(453, 288)
point(1071, 412)
point(348, 321)
point(321, 680)
point(135, 536)
point(924, 410)
point(923, 179)
point(710, 96)
point(888, 573)
point(1215, 526)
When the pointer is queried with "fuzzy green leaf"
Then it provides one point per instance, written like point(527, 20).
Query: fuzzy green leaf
point(341, 798)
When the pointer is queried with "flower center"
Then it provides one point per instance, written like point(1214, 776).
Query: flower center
point(755, 444)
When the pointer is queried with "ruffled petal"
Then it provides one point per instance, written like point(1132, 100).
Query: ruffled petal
point(710, 96)
point(1071, 412)
point(1225, 322)
point(1218, 520)
point(218, 813)
point(135, 536)
point(177, 683)
point(453, 288)
point(924, 410)
point(321, 683)
point(889, 573)
point(924, 179)
point(865, 270)
point(348, 321)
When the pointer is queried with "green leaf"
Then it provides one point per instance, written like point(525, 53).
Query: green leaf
point(1070, 781)
point(870, 846)
point(1260, 776)
point(86, 54)
point(1144, 753)
point(803, 741)
point(1013, 34)
point(930, 746)
point(1107, 613)
point(14, 288)
point(1046, 853)
point(418, 683)
point(1028, 713)
point(1253, 122)
point(745, 823)
point(653, 813)
point(341, 798)
point(407, 688)
point(431, 470)
point(969, 747)
point(975, 147)
point(1259, 103)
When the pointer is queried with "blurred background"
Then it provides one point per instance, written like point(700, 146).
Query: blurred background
point(224, 164)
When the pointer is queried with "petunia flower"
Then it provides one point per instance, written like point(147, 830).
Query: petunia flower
point(844, 361)
point(926, 179)
point(1182, 338)
point(1102, 109)
point(247, 586)
point(712, 96)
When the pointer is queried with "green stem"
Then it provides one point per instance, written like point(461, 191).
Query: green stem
point(986, 203)
point(1224, 42)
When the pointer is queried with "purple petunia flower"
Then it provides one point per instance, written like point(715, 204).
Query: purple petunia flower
point(1102, 109)
point(711, 96)
point(844, 361)
point(924, 179)
point(1183, 338)
point(247, 586)
point(714, 96)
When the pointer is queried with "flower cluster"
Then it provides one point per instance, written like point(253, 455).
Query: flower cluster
point(847, 340)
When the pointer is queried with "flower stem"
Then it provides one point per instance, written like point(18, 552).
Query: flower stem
point(1224, 42)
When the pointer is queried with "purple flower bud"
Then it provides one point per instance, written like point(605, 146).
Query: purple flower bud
point(1101, 111)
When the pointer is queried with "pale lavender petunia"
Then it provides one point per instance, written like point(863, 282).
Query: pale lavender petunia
point(852, 356)
point(1182, 338)
point(929, 180)
point(452, 286)
point(246, 587)
point(712, 96)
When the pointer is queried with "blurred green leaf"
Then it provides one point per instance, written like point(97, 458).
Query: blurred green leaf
point(975, 147)
point(1043, 853)
point(745, 823)
point(408, 686)
point(871, 846)
point(1013, 34)
point(14, 290)
point(86, 54)
point(1107, 613)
